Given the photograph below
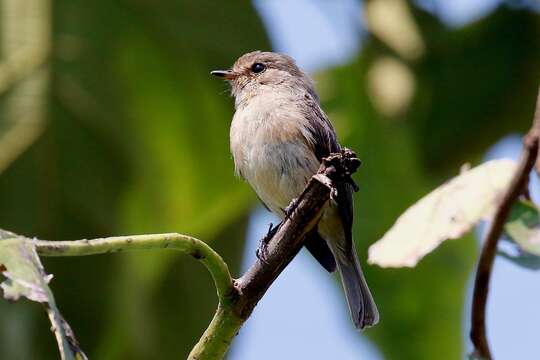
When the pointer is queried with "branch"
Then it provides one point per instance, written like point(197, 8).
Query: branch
point(282, 247)
point(517, 186)
point(237, 298)
point(534, 133)
point(183, 243)
point(285, 244)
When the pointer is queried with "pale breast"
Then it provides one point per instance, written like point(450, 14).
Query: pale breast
point(271, 152)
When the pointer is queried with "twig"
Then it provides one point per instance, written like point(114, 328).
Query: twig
point(282, 248)
point(237, 298)
point(535, 131)
point(481, 285)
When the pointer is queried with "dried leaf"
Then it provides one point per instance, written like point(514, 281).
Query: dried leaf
point(448, 212)
point(25, 277)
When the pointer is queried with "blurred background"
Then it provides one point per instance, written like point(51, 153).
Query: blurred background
point(111, 124)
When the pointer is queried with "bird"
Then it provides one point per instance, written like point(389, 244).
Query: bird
point(278, 137)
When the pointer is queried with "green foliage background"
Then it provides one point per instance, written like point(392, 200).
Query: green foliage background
point(136, 141)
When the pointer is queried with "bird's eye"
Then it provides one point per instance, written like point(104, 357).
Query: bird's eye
point(258, 68)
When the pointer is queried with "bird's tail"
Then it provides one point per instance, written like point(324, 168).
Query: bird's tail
point(363, 310)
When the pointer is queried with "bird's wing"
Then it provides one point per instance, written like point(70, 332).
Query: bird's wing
point(323, 142)
point(323, 136)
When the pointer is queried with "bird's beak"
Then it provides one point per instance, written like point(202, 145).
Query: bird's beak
point(226, 74)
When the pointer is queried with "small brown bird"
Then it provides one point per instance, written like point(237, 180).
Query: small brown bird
point(279, 135)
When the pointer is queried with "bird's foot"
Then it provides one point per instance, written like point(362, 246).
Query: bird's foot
point(290, 208)
point(262, 250)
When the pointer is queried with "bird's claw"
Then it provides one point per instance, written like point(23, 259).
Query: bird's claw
point(290, 208)
point(262, 250)
point(262, 253)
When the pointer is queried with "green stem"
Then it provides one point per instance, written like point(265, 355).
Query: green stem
point(216, 340)
point(183, 243)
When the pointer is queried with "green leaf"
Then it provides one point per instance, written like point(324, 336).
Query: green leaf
point(25, 277)
point(522, 258)
point(474, 356)
point(523, 227)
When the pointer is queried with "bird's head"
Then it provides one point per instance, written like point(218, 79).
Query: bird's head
point(258, 71)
